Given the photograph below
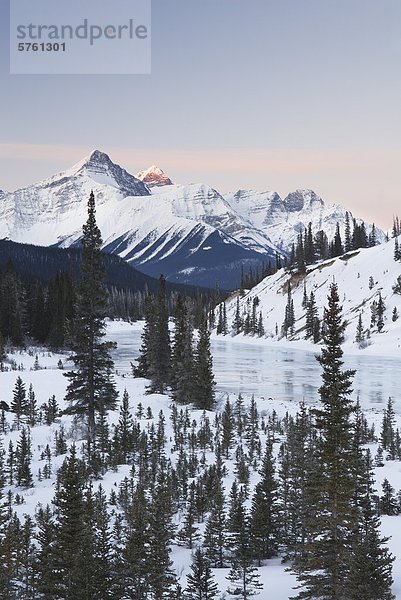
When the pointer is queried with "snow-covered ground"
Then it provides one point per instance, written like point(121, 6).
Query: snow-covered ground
point(235, 365)
point(361, 276)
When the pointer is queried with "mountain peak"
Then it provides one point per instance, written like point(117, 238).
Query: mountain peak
point(154, 176)
point(302, 199)
point(99, 156)
point(95, 158)
point(99, 167)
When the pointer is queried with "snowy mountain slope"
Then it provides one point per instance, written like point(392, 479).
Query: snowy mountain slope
point(190, 232)
point(352, 273)
point(53, 210)
point(283, 220)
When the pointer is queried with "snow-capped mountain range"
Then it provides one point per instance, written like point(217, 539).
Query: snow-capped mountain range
point(191, 233)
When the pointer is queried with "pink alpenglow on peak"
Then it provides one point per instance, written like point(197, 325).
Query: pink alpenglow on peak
point(154, 176)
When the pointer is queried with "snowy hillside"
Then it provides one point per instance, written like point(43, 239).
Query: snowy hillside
point(361, 276)
point(191, 233)
point(47, 379)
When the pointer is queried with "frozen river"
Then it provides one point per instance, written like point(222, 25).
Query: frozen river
point(281, 373)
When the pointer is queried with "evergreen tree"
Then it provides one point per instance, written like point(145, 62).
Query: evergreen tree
point(373, 313)
point(45, 536)
point(19, 405)
point(23, 457)
point(311, 317)
point(308, 246)
point(133, 573)
point(27, 559)
point(237, 323)
point(215, 531)
point(397, 253)
point(182, 355)
point(380, 313)
point(70, 532)
point(304, 297)
point(148, 334)
point(347, 234)
point(289, 317)
point(243, 576)
point(161, 576)
point(360, 336)
point(124, 432)
point(264, 518)
point(298, 465)
point(387, 435)
point(371, 563)
point(222, 321)
point(337, 249)
point(325, 570)
point(159, 350)
point(201, 585)
point(300, 255)
point(372, 241)
point(102, 546)
point(32, 409)
point(189, 532)
point(91, 383)
point(322, 245)
point(203, 380)
point(388, 502)
point(227, 429)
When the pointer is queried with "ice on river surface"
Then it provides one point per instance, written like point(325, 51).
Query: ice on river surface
point(269, 370)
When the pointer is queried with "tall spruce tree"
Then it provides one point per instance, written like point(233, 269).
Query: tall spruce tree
point(142, 368)
point(203, 380)
point(243, 576)
point(337, 246)
point(201, 585)
point(91, 384)
point(23, 457)
point(19, 404)
point(70, 529)
point(159, 349)
point(264, 512)
point(325, 571)
point(347, 233)
point(162, 578)
point(45, 536)
point(182, 355)
point(370, 572)
point(132, 569)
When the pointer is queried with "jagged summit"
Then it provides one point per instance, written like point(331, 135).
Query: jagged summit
point(95, 158)
point(99, 167)
point(302, 200)
point(154, 176)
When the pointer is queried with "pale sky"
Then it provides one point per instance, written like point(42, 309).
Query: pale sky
point(259, 94)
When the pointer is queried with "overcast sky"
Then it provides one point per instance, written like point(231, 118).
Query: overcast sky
point(261, 94)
